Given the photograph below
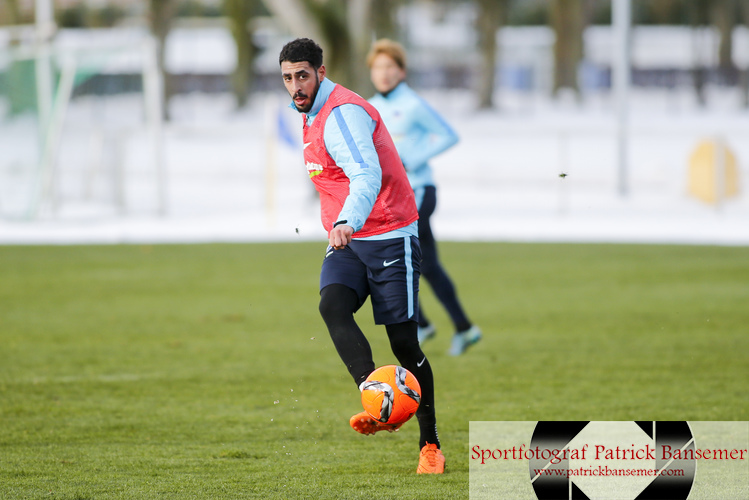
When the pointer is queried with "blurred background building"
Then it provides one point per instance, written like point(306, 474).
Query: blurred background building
point(118, 109)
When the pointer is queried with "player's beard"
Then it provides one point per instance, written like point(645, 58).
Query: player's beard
point(306, 108)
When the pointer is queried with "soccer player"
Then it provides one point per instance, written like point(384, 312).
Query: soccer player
point(419, 133)
point(367, 207)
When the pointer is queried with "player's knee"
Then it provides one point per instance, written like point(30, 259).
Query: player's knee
point(329, 309)
point(337, 301)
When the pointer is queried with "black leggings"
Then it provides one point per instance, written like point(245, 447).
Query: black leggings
point(338, 303)
point(432, 270)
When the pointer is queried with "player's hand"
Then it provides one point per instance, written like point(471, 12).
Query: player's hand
point(340, 236)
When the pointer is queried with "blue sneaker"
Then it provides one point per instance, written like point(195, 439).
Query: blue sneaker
point(462, 340)
point(426, 333)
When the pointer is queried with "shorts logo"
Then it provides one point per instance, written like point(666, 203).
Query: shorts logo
point(313, 169)
point(389, 263)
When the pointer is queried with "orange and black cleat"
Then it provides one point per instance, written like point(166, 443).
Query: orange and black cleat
point(364, 424)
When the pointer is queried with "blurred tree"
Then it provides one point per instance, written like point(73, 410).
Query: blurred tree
point(368, 20)
point(72, 17)
point(724, 16)
point(343, 28)
point(10, 14)
point(200, 8)
point(567, 20)
point(744, 75)
point(240, 14)
point(384, 21)
point(323, 22)
point(698, 14)
point(660, 12)
point(161, 14)
point(528, 13)
point(491, 15)
point(337, 38)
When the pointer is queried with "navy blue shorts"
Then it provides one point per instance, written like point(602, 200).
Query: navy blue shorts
point(387, 271)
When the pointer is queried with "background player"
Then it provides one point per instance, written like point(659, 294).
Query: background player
point(419, 133)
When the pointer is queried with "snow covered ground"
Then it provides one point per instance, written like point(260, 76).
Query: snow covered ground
point(227, 180)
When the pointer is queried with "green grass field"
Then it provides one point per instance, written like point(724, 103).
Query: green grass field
point(205, 371)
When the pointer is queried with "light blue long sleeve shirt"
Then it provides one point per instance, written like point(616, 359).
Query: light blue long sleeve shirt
point(418, 131)
point(348, 139)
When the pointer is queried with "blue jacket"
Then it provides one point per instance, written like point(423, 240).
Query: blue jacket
point(419, 133)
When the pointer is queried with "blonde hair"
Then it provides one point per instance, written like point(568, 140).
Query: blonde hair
point(392, 49)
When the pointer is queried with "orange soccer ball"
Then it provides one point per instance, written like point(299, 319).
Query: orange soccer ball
point(391, 394)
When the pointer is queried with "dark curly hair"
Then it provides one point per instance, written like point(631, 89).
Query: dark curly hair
point(301, 49)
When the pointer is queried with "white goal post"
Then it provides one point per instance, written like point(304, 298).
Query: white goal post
point(34, 178)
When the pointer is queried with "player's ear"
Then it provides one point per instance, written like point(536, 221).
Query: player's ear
point(321, 72)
